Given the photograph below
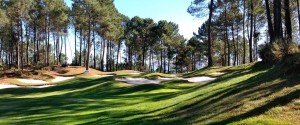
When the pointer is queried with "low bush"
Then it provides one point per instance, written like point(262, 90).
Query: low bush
point(276, 52)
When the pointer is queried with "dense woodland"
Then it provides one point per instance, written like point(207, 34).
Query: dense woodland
point(33, 33)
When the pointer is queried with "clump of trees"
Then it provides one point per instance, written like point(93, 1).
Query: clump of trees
point(34, 33)
point(234, 28)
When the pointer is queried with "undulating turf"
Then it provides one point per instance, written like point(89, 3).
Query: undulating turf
point(248, 94)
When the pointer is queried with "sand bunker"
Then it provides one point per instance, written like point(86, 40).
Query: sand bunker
point(201, 79)
point(6, 86)
point(217, 73)
point(102, 76)
point(32, 82)
point(41, 82)
point(60, 79)
point(138, 81)
point(43, 86)
point(9, 86)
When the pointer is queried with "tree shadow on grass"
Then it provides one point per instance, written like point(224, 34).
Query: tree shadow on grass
point(280, 101)
point(195, 110)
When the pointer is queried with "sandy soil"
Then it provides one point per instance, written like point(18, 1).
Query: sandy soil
point(60, 79)
point(140, 81)
point(102, 76)
point(201, 79)
point(32, 82)
point(6, 86)
point(217, 73)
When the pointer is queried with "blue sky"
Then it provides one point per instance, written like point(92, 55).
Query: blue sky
point(170, 10)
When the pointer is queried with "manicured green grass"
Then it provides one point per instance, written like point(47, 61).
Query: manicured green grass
point(249, 94)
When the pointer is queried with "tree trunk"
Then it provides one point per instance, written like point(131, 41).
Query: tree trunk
point(88, 45)
point(255, 36)
point(251, 31)
point(76, 63)
point(27, 45)
point(80, 48)
point(233, 43)
point(237, 47)
point(270, 23)
point(18, 54)
point(298, 12)
point(277, 20)
point(210, 51)
point(227, 39)
point(48, 46)
point(244, 36)
point(118, 54)
point(165, 61)
point(288, 22)
point(161, 60)
point(35, 42)
point(94, 41)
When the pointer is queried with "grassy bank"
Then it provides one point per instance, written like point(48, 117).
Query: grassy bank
point(248, 94)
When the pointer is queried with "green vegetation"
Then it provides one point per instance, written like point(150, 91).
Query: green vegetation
point(247, 94)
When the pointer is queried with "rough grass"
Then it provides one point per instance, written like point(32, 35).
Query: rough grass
point(249, 94)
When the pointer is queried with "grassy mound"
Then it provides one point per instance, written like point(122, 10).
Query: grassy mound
point(248, 94)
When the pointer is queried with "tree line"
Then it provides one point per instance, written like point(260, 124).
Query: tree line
point(34, 32)
point(235, 27)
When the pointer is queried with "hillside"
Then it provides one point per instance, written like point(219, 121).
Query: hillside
point(247, 94)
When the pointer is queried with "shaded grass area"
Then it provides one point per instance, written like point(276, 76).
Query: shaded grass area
point(249, 94)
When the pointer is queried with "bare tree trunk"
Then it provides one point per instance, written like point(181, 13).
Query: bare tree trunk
point(76, 63)
point(298, 12)
point(88, 45)
point(277, 20)
point(94, 41)
point(161, 59)
point(237, 47)
point(227, 39)
point(288, 22)
point(18, 53)
point(270, 23)
point(118, 54)
point(251, 32)
point(80, 48)
point(244, 37)
point(210, 51)
point(27, 45)
point(233, 43)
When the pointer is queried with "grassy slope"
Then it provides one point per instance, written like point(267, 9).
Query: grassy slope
point(249, 94)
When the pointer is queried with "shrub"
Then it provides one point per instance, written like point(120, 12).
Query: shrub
point(291, 63)
point(273, 53)
point(270, 53)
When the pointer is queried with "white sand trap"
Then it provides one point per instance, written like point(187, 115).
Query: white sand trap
point(200, 79)
point(102, 76)
point(6, 86)
point(218, 73)
point(166, 79)
point(33, 82)
point(141, 81)
point(43, 86)
point(138, 81)
point(41, 83)
point(134, 73)
point(60, 79)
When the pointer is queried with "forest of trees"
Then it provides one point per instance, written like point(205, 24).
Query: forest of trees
point(33, 33)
